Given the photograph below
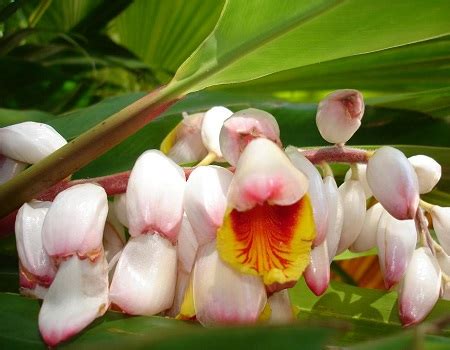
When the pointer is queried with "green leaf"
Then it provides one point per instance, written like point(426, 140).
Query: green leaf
point(432, 102)
point(415, 67)
point(12, 116)
point(371, 313)
point(164, 33)
point(272, 37)
point(115, 330)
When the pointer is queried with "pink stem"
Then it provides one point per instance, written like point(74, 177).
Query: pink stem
point(335, 154)
point(117, 183)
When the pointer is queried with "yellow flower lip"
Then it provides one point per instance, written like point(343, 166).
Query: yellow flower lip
point(272, 241)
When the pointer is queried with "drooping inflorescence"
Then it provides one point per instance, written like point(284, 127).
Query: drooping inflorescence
point(224, 245)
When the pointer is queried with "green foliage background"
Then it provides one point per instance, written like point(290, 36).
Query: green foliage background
point(73, 63)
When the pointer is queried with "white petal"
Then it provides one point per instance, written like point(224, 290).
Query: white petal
point(317, 274)
point(77, 296)
point(339, 115)
point(244, 126)
point(75, 221)
point(9, 168)
point(120, 208)
point(428, 172)
point(361, 168)
point(420, 287)
point(393, 182)
point(155, 195)
point(396, 241)
point(315, 190)
point(354, 203)
point(180, 290)
point(32, 256)
point(29, 142)
point(441, 225)
point(265, 174)
point(205, 200)
point(212, 123)
point(335, 215)
point(281, 308)
point(367, 239)
point(222, 295)
point(145, 276)
point(187, 246)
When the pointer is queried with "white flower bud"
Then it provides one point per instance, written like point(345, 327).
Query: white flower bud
point(184, 143)
point(367, 239)
point(205, 200)
point(281, 308)
point(420, 288)
point(211, 126)
point(155, 196)
point(222, 295)
point(335, 215)
point(120, 208)
point(75, 221)
point(428, 172)
point(339, 115)
point(441, 225)
point(393, 182)
point(354, 203)
point(244, 126)
point(36, 267)
point(29, 142)
point(145, 277)
point(9, 168)
point(361, 177)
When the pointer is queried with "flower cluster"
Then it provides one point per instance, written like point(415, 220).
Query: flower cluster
point(222, 245)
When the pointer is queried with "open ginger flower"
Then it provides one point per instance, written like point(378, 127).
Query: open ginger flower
point(268, 227)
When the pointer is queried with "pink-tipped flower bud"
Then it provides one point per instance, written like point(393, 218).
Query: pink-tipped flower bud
point(339, 115)
point(317, 274)
point(428, 172)
point(75, 221)
point(29, 142)
point(393, 182)
point(155, 196)
point(244, 126)
point(396, 241)
point(315, 190)
point(420, 288)
point(212, 124)
point(441, 225)
point(354, 203)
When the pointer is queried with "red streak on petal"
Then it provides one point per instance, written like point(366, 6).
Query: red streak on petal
point(267, 231)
